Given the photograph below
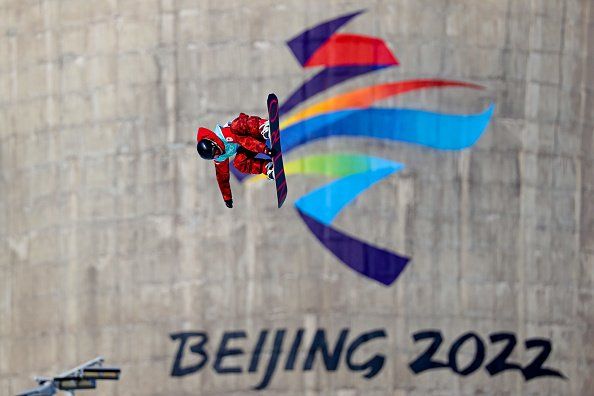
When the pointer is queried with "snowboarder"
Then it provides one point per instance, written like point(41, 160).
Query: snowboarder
point(245, 137)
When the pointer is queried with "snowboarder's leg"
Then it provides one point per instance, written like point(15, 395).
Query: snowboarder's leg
point(261, 134)
point(246, 162)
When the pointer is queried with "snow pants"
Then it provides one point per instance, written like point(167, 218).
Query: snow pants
point(246, 162)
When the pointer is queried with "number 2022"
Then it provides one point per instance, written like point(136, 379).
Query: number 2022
point(497, 365)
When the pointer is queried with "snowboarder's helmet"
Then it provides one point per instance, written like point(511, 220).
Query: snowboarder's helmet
point(207, 149)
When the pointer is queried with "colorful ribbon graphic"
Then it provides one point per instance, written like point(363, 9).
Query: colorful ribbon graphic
point(350, 114)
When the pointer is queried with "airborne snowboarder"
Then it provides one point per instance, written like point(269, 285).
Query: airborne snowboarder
point(245, 137)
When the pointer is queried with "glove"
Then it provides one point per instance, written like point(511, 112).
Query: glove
point(265, 130)
point(271, 152)
point(229, 203)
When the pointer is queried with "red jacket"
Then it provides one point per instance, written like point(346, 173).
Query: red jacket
point(245, 131)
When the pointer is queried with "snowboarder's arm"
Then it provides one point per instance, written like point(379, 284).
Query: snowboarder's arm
point(244, 128)
point(251, 144)
point(246, 124)
point(222, 169)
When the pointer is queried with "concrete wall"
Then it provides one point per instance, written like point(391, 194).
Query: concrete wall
point(113, 233)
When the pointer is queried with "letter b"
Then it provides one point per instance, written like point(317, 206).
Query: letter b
point(198, 348)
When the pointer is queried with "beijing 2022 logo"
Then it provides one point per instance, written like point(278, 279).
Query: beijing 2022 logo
point(352, 114)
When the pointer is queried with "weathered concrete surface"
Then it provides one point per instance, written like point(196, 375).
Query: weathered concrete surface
point(113, 235)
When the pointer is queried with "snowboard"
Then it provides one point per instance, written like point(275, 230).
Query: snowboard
point(279, 171)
